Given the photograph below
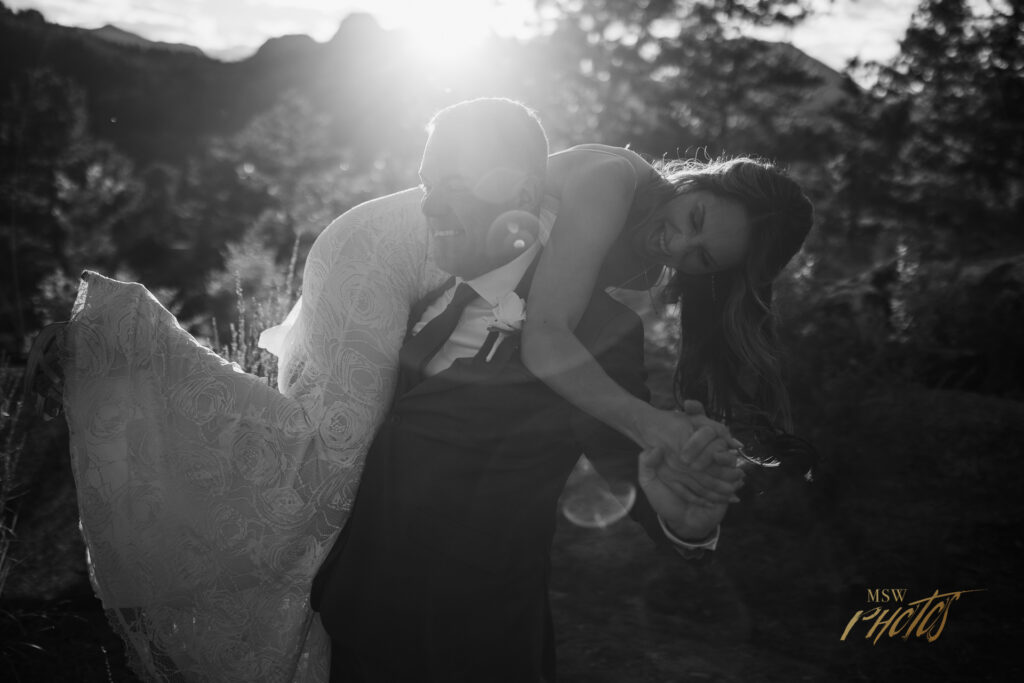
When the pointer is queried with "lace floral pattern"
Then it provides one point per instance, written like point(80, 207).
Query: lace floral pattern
point(207, 498)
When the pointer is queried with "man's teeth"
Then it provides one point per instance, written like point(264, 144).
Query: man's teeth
point(444, 233)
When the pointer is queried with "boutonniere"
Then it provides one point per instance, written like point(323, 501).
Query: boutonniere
point(509, 314)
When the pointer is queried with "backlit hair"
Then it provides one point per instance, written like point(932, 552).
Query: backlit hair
point(506, 122)
point(729, 351)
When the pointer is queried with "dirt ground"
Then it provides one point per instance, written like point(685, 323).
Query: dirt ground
point(921, 491)
point(918, 490)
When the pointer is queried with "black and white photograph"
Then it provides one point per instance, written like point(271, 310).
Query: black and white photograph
point(511, 341)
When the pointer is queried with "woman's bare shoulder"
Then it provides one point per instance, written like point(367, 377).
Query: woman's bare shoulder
point(581, 158)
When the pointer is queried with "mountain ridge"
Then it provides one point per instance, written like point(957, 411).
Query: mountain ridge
point(120, 36)
point(162, 101)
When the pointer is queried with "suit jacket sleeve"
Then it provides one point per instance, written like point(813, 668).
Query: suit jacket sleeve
point(617, 342)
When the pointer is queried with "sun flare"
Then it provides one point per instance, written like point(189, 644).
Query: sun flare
point(447, 31)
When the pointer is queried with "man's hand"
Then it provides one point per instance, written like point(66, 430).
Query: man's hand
point(692, 470)
point(691, 488)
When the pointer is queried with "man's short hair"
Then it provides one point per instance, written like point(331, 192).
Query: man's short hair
point(496, 119)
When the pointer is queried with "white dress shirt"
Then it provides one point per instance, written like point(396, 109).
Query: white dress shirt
point(471, 331)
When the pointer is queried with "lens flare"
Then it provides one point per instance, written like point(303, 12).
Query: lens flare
point(591, 501)
point(512, 233)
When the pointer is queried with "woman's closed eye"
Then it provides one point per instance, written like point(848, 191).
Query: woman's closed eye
point(697, 219)
point(697, 225)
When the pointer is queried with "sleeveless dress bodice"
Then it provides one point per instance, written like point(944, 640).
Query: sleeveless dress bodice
point(622, 267)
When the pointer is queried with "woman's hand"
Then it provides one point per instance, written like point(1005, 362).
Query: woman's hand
point(690, 454)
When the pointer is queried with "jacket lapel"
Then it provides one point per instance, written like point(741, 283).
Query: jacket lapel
point(405, 373)
point(477, 368)
point(420, 307)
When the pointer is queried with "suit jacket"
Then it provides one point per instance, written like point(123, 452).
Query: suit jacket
point(441, 572)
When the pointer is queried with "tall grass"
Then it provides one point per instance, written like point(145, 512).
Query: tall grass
point(254, 316)
point(255, 311)
point(13, 433)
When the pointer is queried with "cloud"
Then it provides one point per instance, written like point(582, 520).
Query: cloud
point(208, 24)
point(154, 15)
point(869, 29)
point(842, 29)
point(69, 12)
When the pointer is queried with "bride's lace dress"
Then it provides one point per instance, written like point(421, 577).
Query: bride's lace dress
point(207, 498)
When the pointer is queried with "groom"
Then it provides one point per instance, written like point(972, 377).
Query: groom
point(441, 571)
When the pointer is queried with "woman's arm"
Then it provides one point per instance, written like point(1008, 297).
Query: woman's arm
point(596, 192)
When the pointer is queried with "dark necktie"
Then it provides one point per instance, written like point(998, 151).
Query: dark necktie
point(418, 351)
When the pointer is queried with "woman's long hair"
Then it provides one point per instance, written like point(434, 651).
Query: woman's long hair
point(729, 355)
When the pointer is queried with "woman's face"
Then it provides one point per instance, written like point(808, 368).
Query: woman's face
point(697, 233)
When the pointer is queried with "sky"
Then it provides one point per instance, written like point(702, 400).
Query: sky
point(840, 30)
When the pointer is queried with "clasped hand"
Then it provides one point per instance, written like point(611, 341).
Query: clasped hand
point(688, 469)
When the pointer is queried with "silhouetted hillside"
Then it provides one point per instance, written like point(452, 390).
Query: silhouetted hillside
point(119, 36)
point(157, 101)
point(151, 103)
point(161, 104)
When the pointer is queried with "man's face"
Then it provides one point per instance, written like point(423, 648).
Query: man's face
point(467, 184)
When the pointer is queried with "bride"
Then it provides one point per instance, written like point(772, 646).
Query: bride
point(207, 498)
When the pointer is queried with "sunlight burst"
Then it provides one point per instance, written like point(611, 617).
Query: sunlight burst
point(446, 31)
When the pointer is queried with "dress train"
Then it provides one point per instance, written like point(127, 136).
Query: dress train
point(208, 498)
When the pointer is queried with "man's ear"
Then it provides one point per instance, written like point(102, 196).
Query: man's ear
point(530, 193)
